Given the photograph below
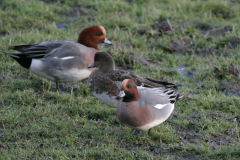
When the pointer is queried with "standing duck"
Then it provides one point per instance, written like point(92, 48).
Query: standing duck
point(105, 82)
point(63, 60)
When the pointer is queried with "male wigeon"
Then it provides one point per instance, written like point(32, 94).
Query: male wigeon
point(63, 60)
point(105, 82)
point(143, 108)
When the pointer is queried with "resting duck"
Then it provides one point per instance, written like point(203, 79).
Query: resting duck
point(63, 60)
point(143, 108)
point(105, 82)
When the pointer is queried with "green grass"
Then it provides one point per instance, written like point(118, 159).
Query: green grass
point(36, 122)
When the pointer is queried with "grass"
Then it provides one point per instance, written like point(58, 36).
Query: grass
point(36, 122)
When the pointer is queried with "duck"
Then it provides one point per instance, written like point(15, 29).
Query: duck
point(62, 60)
point(105, 82)
point(143, 108)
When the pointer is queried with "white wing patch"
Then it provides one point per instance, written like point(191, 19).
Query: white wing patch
point(160, 106)
point(69, 57)
point(65, 58)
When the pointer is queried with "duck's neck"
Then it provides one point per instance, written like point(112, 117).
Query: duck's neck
point(131, 97)
point(88, 44)
point(108, 67)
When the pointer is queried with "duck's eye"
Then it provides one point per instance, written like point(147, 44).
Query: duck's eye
point(99, 34)
point(129, 86)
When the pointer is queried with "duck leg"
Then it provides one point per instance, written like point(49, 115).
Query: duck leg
point(57, 85)
point(136, 131)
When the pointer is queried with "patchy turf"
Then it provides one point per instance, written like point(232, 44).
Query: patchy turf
point(192, 43)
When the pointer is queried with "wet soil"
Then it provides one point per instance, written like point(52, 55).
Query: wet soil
point(162, 25)
point(184, 71)
point(234, 2)
point(185, 43)
point(217, 32)
point(145, 32)
point(234, 69)
point(3, 33)
point(129, 60)
point(175, 46)
point(50, 1)
point(125, 67)
point(234, 43)
point(78, 10)
point(225, 13)
point(191, 138)
point(75, 12)
point(230, 88)
point(5, 75)
point(203, 26)
point(230, 44)
point(72, 87)
point(192, 135)
point(211, 51)
point(61, 26)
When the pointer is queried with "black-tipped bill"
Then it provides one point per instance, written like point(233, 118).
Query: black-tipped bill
point(121, 95)
point(91, 66)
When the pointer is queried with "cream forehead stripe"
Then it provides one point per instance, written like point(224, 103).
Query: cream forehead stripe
point(124, 82)
point(103, 30)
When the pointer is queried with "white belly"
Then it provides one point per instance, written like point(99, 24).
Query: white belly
point(73, 75)
point(70, 75)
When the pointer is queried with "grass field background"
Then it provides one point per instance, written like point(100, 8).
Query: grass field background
point(193, 43)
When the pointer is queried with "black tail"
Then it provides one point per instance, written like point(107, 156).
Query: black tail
point(33, 50)
point(22, 59)
point(173, 96)
point(179, 96)
point(20, 48)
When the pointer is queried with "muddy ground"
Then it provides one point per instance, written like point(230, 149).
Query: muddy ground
point(180, 45)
